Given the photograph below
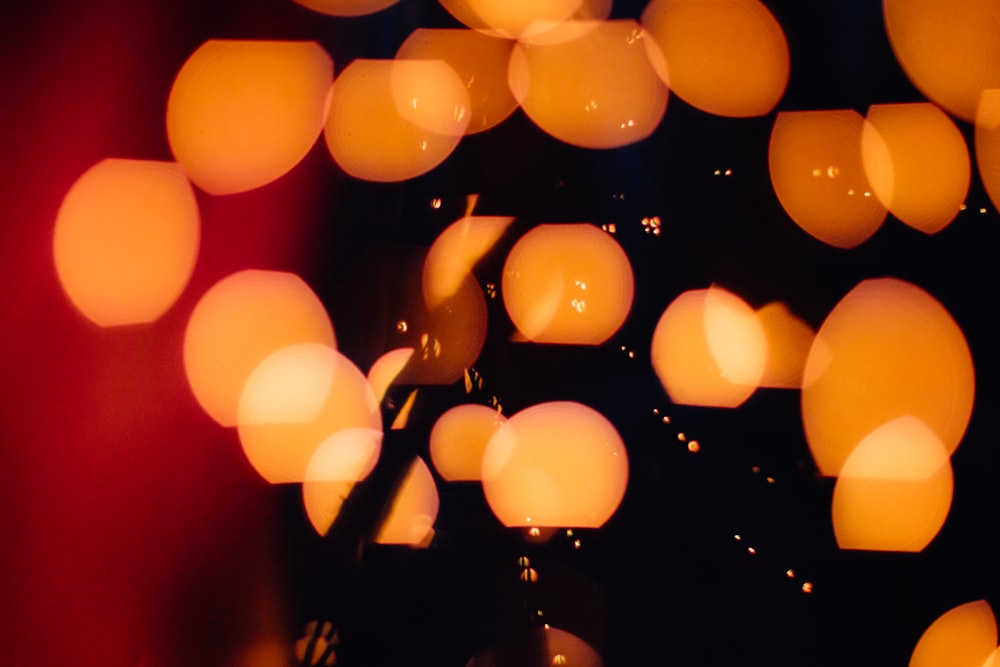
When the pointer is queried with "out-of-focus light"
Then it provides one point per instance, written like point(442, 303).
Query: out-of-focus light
point(430, 95)
point(346, 7)
point(459, 438)
point(480, 61)
point(539, 647)
point(414, 510)
point(818, 173)
point(237, 323)
point(894, 490)
point(371, 139)
point(788, 342)
point(296, 399)
point(243, 113)
point(600, 90)
point(455, 251)
point(917, 163)
point(709, 348)
point(512, 19)
point(965, 635)
point(567, 283)
point(558, 464)
point(726, 57)
point(887, 350)
point(987, 144)
point(949, 51)
point(126, 239)
point(386, 368)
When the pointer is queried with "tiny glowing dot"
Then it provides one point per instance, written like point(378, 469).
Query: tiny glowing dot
point(737, 537)
point(529, 575)
point(402, 326)
point(868, 194)
point(982, 210)
point(656, 411)
point(682, 437)
point(728, 172)
point(851, 192)
point(539, 613)
point(962, 207)
point(770, 480)
point(558, 659)
point(807, 587)
point(694, 447)
point(534, 532)
point(790, 574)
point(631, 354)
point(755, 469)
point(666, 419)
point(524, 561)
point(718, 172)
point(569, 532)
point(436, 202)
point(751, 551)
point(612, 228)
point(577, 544)
point(817, 172)
point(832, 172)
point(656, 231)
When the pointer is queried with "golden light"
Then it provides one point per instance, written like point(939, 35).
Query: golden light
point(346, 7)
point(894, 490)
point(949, 51)
point(242, 113)
point(126, 239)
point(459, 438)
point(567, 283)
point(887, 350)
point(296, 399)
point(539, 647)
point(965, 635)
point(987, 143)
point(600, 90)
point(511, 19)
point(559, 464)
point(818, 173)
point(480, 61)
point(788, 342)
point(456, 250)
point(726, 57)
point(414, 510)
point(238, 322)
point(709, 348)
point(917, 163)
point(371, 139)
point(340, 461)
point(386, 368)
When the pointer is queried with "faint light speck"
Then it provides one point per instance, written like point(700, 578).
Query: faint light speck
point(790, 573)
point(694, 447)
point(436, 202)
point(807, 587)
point(401, 326)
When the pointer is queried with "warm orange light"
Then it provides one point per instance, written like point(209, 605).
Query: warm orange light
point(709, 348)
point(512, 19)
point(386, 368)
point(965, 635)
point(726, 57)
point(894, 490)
point(126, 239)
point(987, 138)
point(558, 464)
point(237, 323)
point(818, 174)
point(788, 342)
point(414, 510)
point(335, 466)
point(243, 113)
point(600, 90)
point(455, 251)
point(917, 163)
point(459, 438)
point(538, 647)
point(346, 7)
point(322, 500)
point(567, 283)
point(296, 399)
point(481, 64)
point(948, 50)
point(371, 139)
point(887, 350)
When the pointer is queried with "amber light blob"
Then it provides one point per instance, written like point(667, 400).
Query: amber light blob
point(480, 61)
point(600, 90)
point(965, 635)
point(238, 322)
point(539, 647)
point(512, 19)
point(726, 57)
point(987, 143)
point(346, 7)
point(456, 250)
point(296, 399)
point(917, 163)
point(243, 113)
point(126, 239)
point(887, 350)
point(709, 348)
point(459, 438)
point(894, 490)
point(818, 173)
point(374, 136)
point(788, 342)
point(567, 283)
point(559, 464)
point(386, 368)
point(948, 50)
point(414, 509)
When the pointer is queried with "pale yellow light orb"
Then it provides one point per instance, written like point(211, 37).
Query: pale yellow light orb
point(726, 57)
point(600, 90)
point(371, 139)
point(917, 163)
point(567, 283)
point(709, 348)
point(459, 438)
point(559, 464)
point(818, 173)
point(414, 509)
point(126, 239)
point(242, 113)
point(965, 635)
point(294, 400)
point(238, 322)
point(887, 350)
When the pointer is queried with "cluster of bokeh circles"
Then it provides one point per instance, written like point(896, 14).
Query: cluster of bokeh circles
point(886, 382)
